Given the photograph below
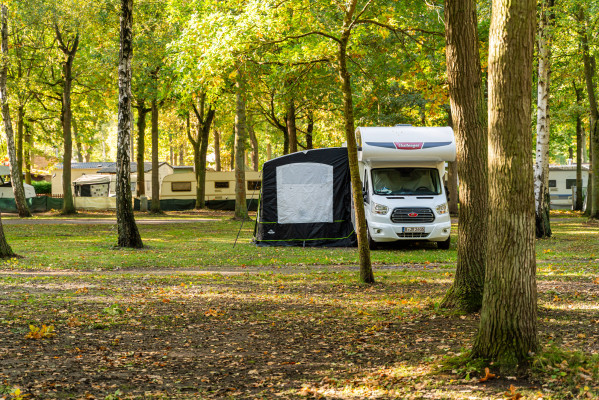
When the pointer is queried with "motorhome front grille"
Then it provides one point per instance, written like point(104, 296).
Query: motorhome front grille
point(412, 235)
point(412, 215)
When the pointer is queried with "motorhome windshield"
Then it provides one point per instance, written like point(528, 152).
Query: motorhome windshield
point(406, 181)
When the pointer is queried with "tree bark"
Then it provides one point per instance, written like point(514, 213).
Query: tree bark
point(589, 74)
point(15, 172)
point(78, 143)
point(200, 148)
point(469, 121)
point(254, 142)
point(28, 147)
point(366, 274)
point(508, 320)
point(541, 171)
point(452, 187)
point(579, 150)
point(241, 211)
point(128, 234)
point(69, 50)
point(155, 204)
point(310, 131)
point(217, 165)
point(142, 111)
point(20, 126)
point(291, 127)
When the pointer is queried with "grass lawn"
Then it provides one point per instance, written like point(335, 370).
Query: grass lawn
point(192, 317)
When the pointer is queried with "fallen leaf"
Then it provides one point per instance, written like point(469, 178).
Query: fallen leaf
point(488, 375)
point(512, 394)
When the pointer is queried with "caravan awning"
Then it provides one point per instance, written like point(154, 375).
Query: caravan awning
point(92, 180)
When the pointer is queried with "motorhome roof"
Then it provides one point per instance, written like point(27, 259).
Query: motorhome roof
point(406, 144)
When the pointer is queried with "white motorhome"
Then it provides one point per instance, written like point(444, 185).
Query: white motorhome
point(402, 169)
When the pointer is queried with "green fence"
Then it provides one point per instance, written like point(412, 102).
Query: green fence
point(35, 204)
point(46, 203)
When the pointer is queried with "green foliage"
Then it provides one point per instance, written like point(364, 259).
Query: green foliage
point(42, 187)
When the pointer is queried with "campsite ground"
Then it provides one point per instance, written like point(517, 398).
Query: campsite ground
point(191, 316)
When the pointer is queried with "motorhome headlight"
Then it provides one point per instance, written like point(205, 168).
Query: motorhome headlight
point(442, 209)
point(379, 208)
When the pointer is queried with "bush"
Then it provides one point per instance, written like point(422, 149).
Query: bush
point(42, 187)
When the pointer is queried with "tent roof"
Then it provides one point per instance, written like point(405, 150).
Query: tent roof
point(92, 179)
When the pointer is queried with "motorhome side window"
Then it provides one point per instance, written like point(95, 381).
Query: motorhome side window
point(570, 183)
point(221, 185)
point(552, 183)
point(406, 181)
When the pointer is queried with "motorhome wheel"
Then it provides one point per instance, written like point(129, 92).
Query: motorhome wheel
point(444, 245)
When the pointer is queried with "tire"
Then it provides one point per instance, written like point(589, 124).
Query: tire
point(444, 245)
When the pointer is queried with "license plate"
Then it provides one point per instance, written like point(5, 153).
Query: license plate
point(413, 229)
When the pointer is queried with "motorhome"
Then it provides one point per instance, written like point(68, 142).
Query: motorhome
point(402, 171)
point(6, 191)
point(562, 184)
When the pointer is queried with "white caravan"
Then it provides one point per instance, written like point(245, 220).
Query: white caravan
point(6, 191)
point(402, 169)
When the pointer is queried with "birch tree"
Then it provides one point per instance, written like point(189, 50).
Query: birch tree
point(15, 172)
point(128, 234)
point(541, 170)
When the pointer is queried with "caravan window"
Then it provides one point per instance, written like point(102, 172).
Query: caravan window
point(181, 186)
point(570, 183)
point(552, 183)
point(406, 181)
point(221, 185)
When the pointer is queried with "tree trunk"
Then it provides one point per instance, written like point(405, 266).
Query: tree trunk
point(291, 128)
point(268, 152)
point(579, 150)
point(20, 126)
point(181, 155)
point(508, 320)
point(241, 211)
point(69, 50)
point(15, 172)
point(142, 111)
point(310, 131)
point(217, 166)
point(171, 150)
point(28, 147)
point(128, 234)
point(204, 136)
point(541, 171)
point(452, 187)
point(366, 275)
point(78, 144)
point(469, 121)
point(254, 142)
point(155, 204)
point(589, 73)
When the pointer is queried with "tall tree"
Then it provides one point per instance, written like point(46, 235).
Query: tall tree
point(589, 74)
point(128, 234)
point(155, 204)
point(579, 149)
point(508, 320)
point(469, 121)
point(204, 112)
point(241, 211)
point(541, 171)
point(68, 46)
point(142, 112)
point(15, 172)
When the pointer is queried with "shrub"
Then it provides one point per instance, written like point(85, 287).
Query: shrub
point(42, 187)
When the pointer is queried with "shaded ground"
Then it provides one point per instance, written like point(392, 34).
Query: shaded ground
point(275, 331)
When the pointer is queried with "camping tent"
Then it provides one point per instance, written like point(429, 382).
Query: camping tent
point(306, 200)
